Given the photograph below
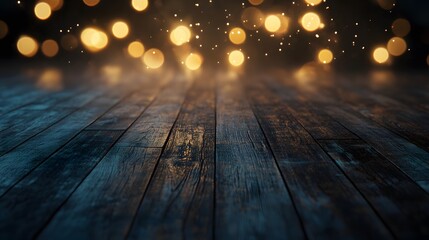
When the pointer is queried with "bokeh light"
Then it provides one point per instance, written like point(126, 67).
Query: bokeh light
point(153, 58)
point(236, 58)
point(313, 2)
point(380, 55)
point(54, 4)
point(272, 23)
point(120, 29)
point(50, 80)
point(252, 18)
point(94, 39)
point(140, 5)
point(325, 56)
point(311, 21)
point(180, 35)
point(136, 49)
point(396, 46)
point(42, 10)
point(401, 27)
point(4, 29)
point(237, 35)
point(69, 42)
point(194, 61)
point(27, 46)
point(256, 2)
point(50, 48)
point(91, 3)
point(386, 4)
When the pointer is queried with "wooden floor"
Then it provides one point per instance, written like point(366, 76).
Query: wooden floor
point(278, 155)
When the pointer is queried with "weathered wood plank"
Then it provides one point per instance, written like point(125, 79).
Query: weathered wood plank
point(179, 199)
point(104, 205)
point(411, 159)
point(29, 205)
point(252, 200)
point(152, 128)
point(16, 164)
point(327, 202)
point(398, 200)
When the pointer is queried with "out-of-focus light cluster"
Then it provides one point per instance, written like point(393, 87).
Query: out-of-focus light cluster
point(94, 39)
point(186, 36)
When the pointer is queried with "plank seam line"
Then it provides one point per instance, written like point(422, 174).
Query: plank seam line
point(128, 232)
point(348, 178)
point(387, 158)
point(100, 159)
point(256, 116)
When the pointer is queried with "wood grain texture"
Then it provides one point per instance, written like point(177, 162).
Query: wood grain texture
point(327, 202)
point(399, 201)
point(23, 159)
point(252, 200)
point(33, 201)
point(179, 200)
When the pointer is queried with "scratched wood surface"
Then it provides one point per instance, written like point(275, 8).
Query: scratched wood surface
point(216, 156)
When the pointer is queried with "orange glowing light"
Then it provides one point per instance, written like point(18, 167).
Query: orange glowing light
point(237, 35)
point(180, 35)
point(153, 58)
point(380, 55)
point(140, 5)
point(27, 46)
point(401, 27)
point(54, 4)
point(236, 58)
point(194, 61)
point(252, 18)
point(313, 2)
point(120, 29)
point(256, 2)
point(273, 23)
point(42, 11)
point(311, 21)
point(396, 46)
point(91, 3)
point(325, 56)
point(136, 49)
point(94, 39)
point(50, 48)
point(3, 29)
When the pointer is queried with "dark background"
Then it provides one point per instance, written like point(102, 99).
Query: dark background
point(150, 27)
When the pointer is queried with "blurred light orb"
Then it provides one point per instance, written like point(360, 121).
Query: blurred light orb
point(94, 39)
point(136, 49)
point(325, 56)
point(401, 27)
point(236, 58)
point(91, 3)
point(54, 4)
point(311, 22)
point(153, 58)
point(387, 4)
point(120, 29)
point(313, 2)
point(69, 42)
point(180, 35)
point(194, 61)
point(3, 29)
point(427, 60)
point(140, 5)
point(252, 18)
point(273, 23)
point(396, 46)
point(237, 36)
point(380, 55)
point(50, 48)
point(42, 11)
point(27, 46)
point(256, 2)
